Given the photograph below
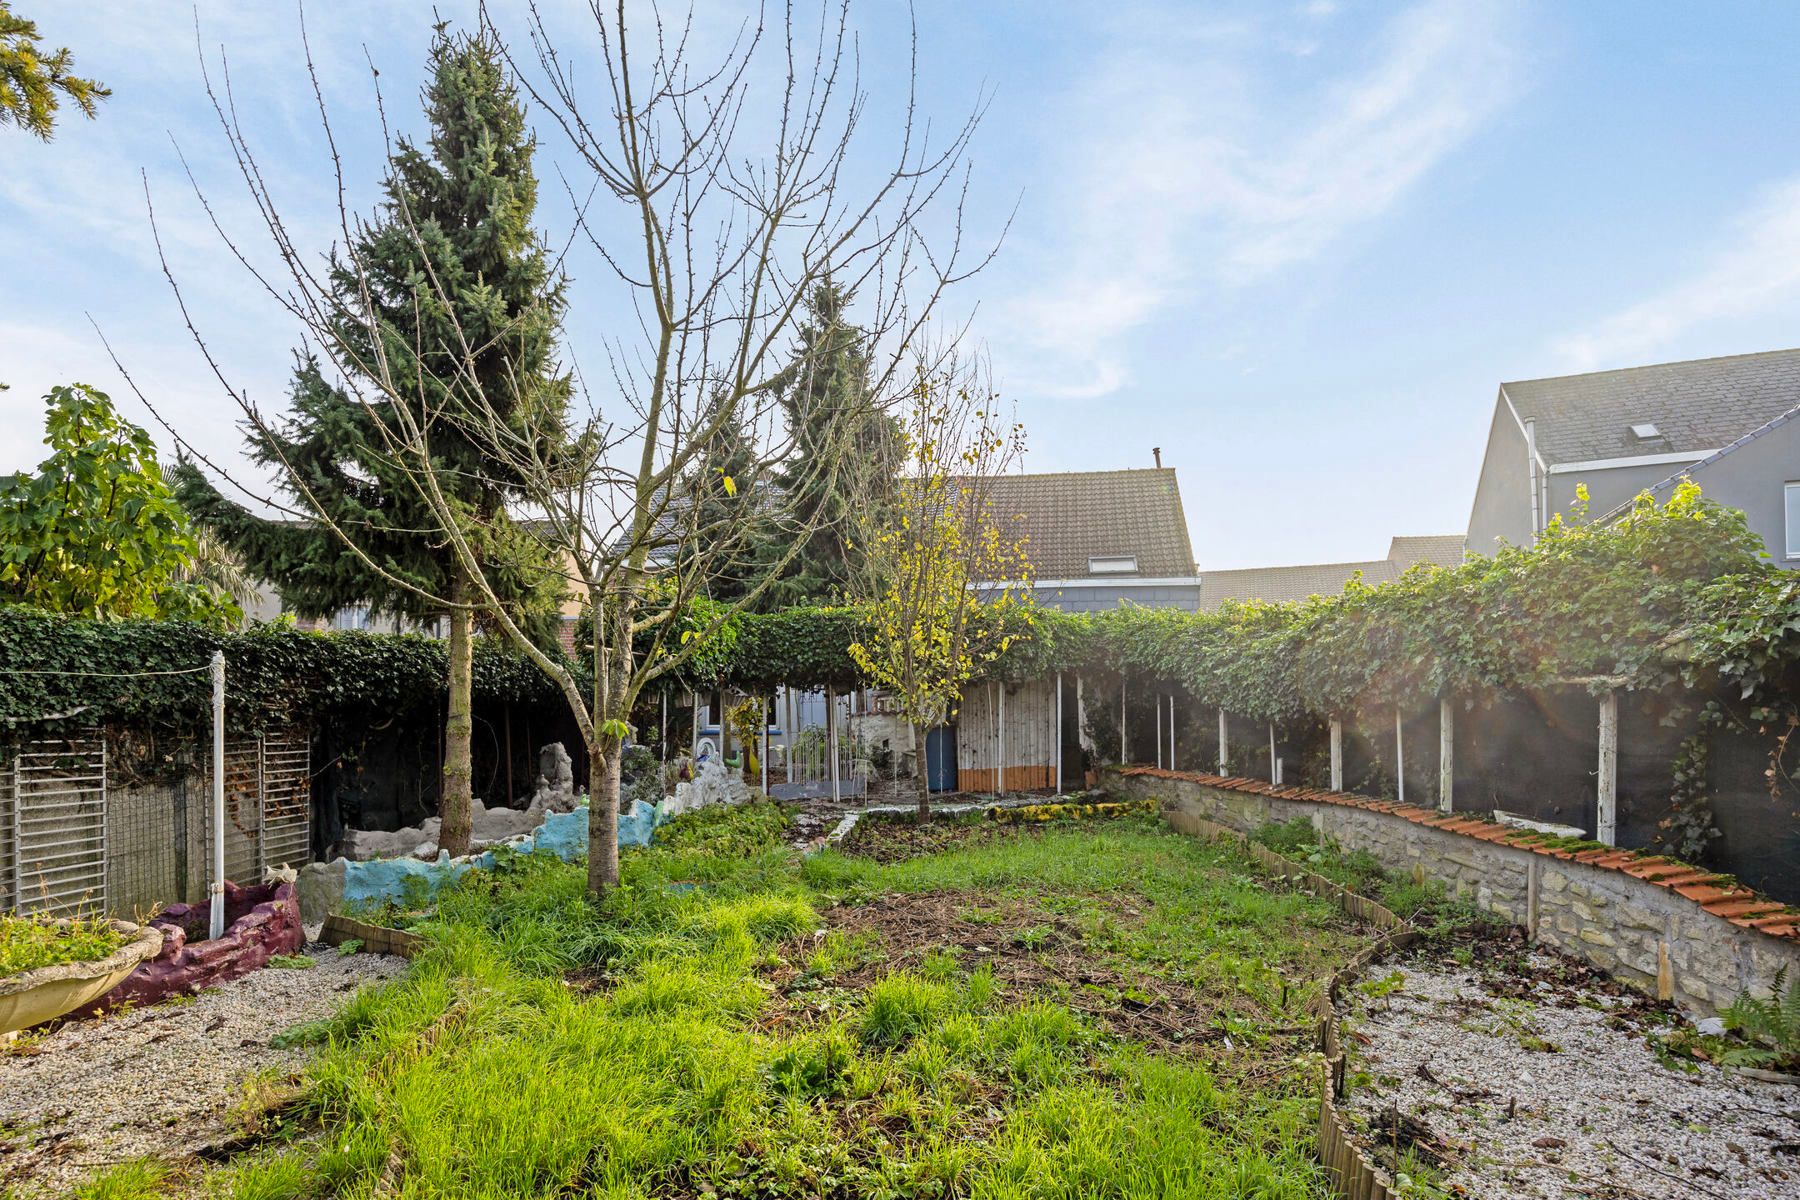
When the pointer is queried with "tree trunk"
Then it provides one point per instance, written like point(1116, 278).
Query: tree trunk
point(924, 781)
point(604, 758)
point(454, 805)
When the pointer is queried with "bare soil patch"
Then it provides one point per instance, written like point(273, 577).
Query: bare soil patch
point(889, 839)
point(1030, 951)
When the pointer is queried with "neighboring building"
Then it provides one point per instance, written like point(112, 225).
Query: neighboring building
point(1097, 539)
point(1323, 579)
point(1728, 423)
point(1759, 474)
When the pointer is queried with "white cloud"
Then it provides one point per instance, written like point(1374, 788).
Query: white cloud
point(1757, 270)
point(1187, 167)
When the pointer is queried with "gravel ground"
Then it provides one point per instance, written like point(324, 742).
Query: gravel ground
point(1544, 1090)
point(161, 1080)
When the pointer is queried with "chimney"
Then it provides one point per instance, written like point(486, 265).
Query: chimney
point(1157, 451)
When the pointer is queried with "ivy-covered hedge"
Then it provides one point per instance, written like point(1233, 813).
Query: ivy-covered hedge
point(60, 672)
point(1678, 591)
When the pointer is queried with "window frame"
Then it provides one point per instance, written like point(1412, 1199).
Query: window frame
point(1790, 516)
point(1104, 564)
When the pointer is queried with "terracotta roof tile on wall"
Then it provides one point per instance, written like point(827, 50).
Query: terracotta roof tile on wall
point(1070, 517)
point(1698, 405)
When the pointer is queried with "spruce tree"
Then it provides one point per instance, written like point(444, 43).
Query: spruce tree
point(451, 286)
point(846, 450)
point(726, 490)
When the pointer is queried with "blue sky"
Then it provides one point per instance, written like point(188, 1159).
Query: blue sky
point(1296, 246)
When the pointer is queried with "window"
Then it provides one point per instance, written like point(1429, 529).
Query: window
point(354, 617)
point(1112, 564)
point(1793, 520)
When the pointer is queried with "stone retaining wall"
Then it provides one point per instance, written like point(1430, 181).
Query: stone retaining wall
point(1643, 932)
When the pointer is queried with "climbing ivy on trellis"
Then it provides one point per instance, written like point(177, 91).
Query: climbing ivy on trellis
point(1674, 592)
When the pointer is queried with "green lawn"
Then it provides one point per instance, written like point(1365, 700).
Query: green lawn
point(1084, 1010)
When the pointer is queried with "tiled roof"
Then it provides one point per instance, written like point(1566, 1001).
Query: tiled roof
point(1279, 584)
point(1698, 405)
point(1289, 583)
point(1440, 550)
point(1069, 517)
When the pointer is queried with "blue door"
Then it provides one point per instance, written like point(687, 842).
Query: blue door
point(940, 757)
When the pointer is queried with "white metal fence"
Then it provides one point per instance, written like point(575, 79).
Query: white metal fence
point(53, 806)
point(267, 795)
point(72, 840)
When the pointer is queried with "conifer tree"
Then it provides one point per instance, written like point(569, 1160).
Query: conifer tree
point(846, 451)
point(34, 81)
point(727, 487)
point(449, 288)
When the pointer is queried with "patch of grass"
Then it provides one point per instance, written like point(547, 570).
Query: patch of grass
point(292, 962)
point(901, 1006)
point(1423, 902)
point(139, 1179)
point(27, 943)
point(546, 1045)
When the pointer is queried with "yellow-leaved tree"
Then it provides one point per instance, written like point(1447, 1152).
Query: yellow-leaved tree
point(945, 579)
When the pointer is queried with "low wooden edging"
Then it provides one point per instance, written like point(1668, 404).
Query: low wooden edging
point(375, 939)
point(1352, 1172)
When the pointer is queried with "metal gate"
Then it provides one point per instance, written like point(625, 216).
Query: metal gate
point(287, 800)
point(268, 793)
point(53, 828)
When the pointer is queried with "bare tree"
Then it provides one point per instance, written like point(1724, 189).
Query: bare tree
point(740, 185)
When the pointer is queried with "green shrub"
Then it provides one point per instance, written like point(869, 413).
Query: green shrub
point(1772, 1022)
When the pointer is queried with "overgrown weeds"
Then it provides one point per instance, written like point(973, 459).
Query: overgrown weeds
point(654, 1045)
point(29, 942)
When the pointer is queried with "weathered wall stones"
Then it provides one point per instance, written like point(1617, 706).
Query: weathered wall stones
point(1644, 934)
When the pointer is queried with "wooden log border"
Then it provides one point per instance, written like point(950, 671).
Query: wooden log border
point(1353, 1173)
point(375, 939)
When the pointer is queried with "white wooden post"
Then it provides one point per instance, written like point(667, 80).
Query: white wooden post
point(763, 705)
point(1337, 755)
point(1000, 736)
point(1124, 757)
point(831, 739)
point(215, 910)
point(1222, 754)
point(1399, 757)
point(1172, 731)
point(1607, 822)
point(1446, 753)
point(1057, 784)
point(1159, 731)
point(1274, 775)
